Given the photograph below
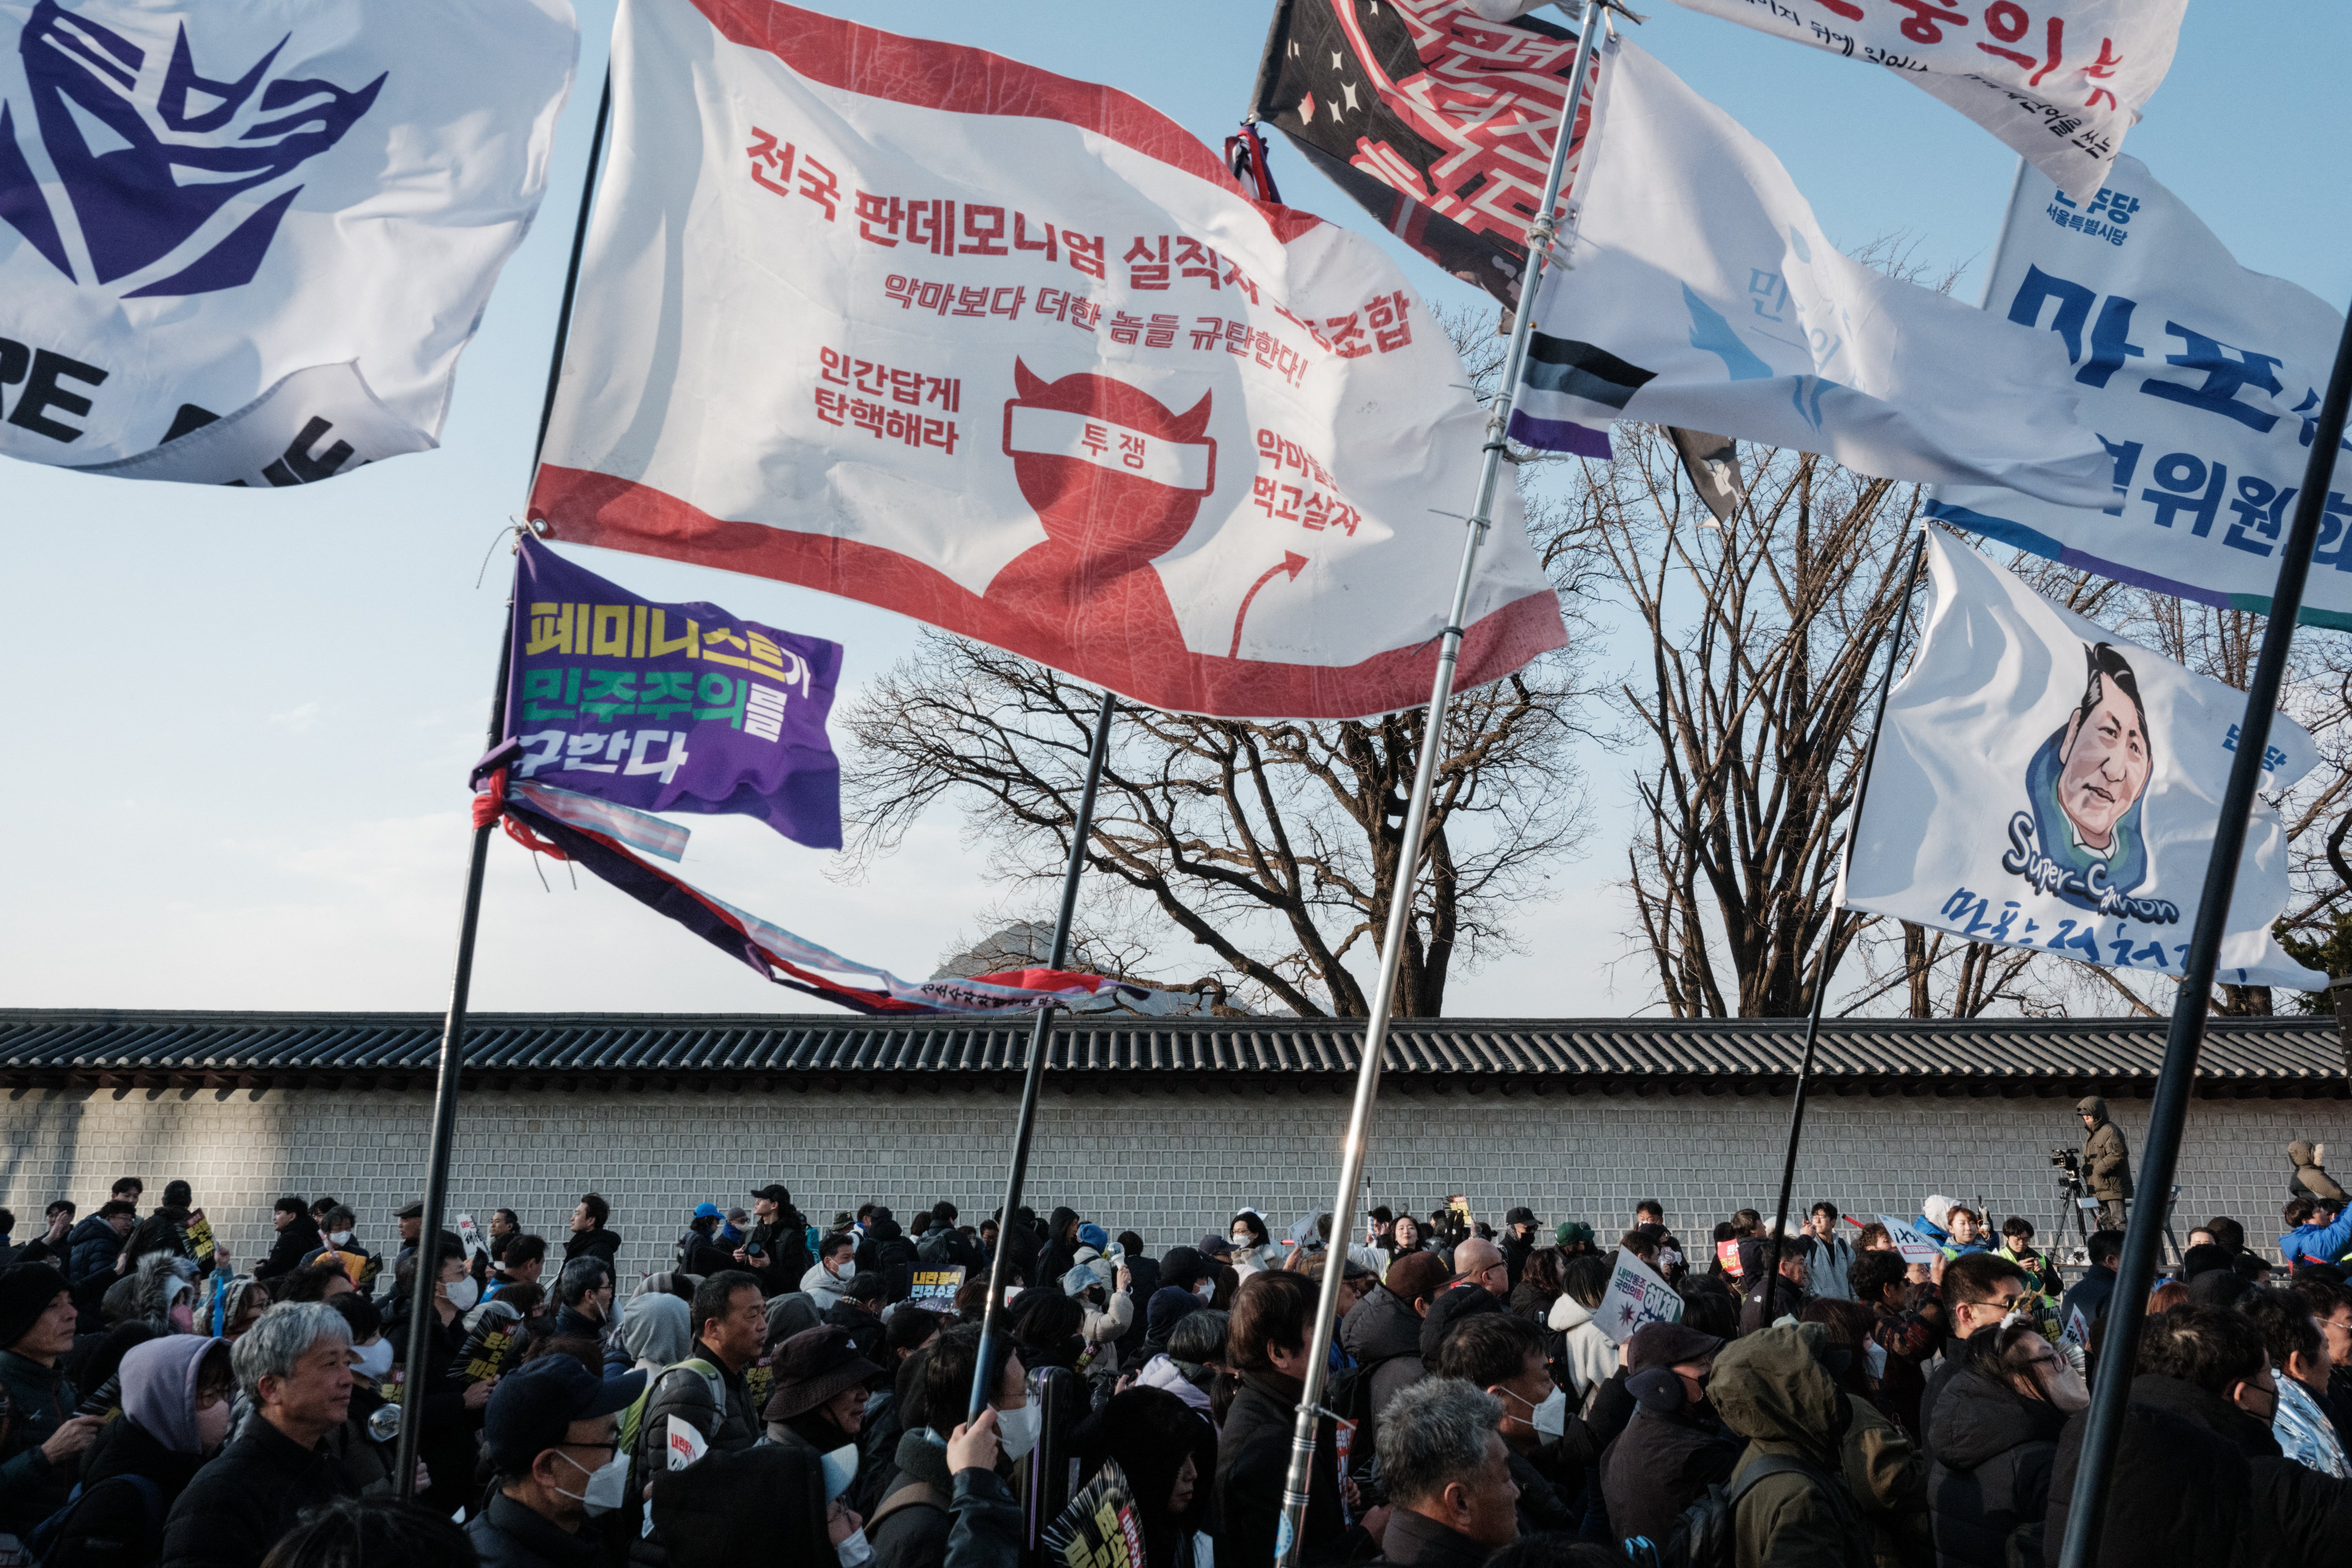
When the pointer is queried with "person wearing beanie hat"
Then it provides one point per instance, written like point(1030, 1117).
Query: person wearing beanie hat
point(552, 1432)
point(1094, 1236)
point(38, 1451)
point(1673, 1448)
point(1181, 1272)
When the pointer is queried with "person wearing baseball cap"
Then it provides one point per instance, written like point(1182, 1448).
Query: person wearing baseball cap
point(1673, 1449)
point(697, 1251)
point(554, 1433)
point(1518, 1240)
point(777, 1248)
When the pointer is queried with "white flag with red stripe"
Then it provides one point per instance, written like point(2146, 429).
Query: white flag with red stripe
point(1013, 354)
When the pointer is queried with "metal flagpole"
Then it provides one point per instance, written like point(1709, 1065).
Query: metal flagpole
point(1040, 1036)
point(453, 1031)
point(2128, 1307)
point(1837, 919)
point(1289, 1536)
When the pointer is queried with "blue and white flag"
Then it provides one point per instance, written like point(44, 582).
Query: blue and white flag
point(1699, 292)
point(2202, 378)
point(2041, 782)
point(243, 242)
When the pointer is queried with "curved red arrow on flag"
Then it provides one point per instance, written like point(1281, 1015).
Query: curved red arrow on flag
point(1292, 562)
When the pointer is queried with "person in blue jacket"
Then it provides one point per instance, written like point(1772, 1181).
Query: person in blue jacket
point(2315, 1232)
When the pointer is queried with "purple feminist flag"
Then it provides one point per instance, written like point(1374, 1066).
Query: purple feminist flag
point(670, 707)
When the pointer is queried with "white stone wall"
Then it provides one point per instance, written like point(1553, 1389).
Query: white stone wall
point(1167, 1165)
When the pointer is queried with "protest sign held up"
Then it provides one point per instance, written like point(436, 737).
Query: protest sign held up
point(1636, 1295)
point(1915, 1246)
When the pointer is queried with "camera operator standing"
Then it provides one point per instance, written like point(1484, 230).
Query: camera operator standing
point(2107, 1162)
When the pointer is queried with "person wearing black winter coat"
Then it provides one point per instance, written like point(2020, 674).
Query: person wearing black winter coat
point(1463, 1299)
point(2198, 1475)
point(92, 1246)
point(1061, 1248)
point(1275, 1313)
point(240, 1504)
point(1381, 1334)
point(297, 1239)
point(1671, 1451)
point(1994, 1446)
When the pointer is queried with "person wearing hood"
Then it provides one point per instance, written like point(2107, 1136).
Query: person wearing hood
point(1185, 1286)
point(1061, 1247)
point(1795, 1506)
point(1481, 1281)
point(41, 1446)
point(938, 1478)
point(1585, 1355)
point(889, 1257)
point(1106, 1291)
point(655, 1332)
point(2107, 1161)
point(176, 1399)
point(1885, 1471)
point(1382, 1334)
point(2308, 1162)
point(829, 1276)
point(819, 1404)
point(1254, 1248)
point(1169, 1456)
point(2198, 1477)
point(2315, 1232)
point(1193, 1361)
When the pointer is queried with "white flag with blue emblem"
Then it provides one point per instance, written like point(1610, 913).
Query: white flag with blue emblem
point(244, 244)
point(1699, 292)
point(2041, 782)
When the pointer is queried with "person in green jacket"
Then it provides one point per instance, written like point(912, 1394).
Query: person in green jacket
point(1795, 1509)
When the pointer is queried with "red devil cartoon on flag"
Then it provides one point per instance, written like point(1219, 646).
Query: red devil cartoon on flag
point(1013, 354)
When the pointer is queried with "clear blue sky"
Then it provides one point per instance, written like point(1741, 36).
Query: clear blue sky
point(241, 720)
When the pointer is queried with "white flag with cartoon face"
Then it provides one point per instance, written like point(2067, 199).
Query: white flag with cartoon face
point(2043, 783)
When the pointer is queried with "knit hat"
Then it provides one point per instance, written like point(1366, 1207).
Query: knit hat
point(25, 1292)
point(811, 1367)
point(1571, 1231)
point(1415, 1275)
point(1180, 1268)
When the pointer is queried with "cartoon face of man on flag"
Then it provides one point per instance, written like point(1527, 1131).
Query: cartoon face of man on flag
point(2085, 782)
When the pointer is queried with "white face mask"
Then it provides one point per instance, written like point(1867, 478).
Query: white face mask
point(375, 1359)
point(1016, 1430)
point(1242, 1239)
point(1549, 1418)
point(1204, 1289)
point(842, 1267)
point(461, 1293)
point(340, 1239)
point(2013, 1318)
point(608, 1484)
point(853, 1550)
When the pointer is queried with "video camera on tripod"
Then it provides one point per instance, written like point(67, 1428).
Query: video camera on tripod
point(2068, 1166)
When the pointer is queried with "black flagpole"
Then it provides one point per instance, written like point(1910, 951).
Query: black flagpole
point(1837, 922)
point(453, 1031)
point(1040, 1036)
point(2128, 1307)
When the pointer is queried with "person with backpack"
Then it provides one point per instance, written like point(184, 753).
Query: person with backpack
point(1787, 1497)
point(940, 1475)
point(707, 1390)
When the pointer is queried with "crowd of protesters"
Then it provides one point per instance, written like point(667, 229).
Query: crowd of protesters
point(783, 1391)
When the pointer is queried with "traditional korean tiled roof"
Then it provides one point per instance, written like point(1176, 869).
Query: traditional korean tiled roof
point(2295, 1057)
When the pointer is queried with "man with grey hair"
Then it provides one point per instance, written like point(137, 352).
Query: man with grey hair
point(1448, 1474)
point(294, 1365)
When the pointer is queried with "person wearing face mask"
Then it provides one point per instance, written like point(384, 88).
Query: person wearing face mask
point(937, 1483)
point(1505, 1356)
point(836, 1265)
point(448, 1412)
point(176, 1394)
point(336, 1242)
point(552, 1432)
point(1673, 1448)
point(1253, 1245)
point(1997, 1431)
point(2198, 1477)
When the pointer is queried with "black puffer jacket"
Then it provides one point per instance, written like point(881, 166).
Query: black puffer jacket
point(1667, 1454)
point(1453, 1304)
point(1382, 1334)
point(1990, 1475)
